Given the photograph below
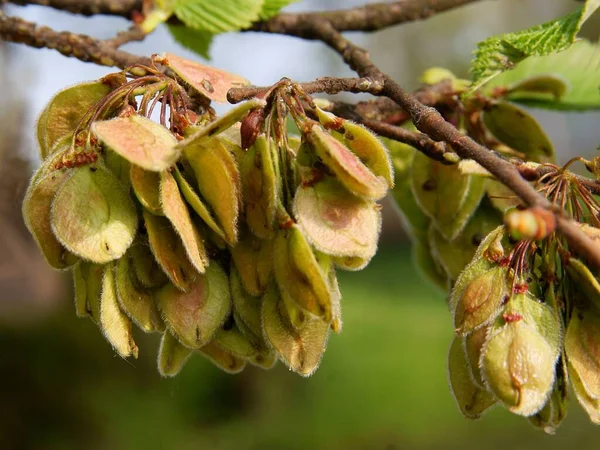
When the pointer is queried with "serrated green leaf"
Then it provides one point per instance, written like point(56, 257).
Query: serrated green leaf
point(271, 7)
point(578, 67)
point(499, 53)
point(198, 41)
point(218, 17)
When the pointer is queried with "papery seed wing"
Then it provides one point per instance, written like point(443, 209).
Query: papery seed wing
point(195, 316)
point(93, 216)
point(115, 325)
point(37, 212)
point(172, 356)
point(176, 211)
point(140, 141)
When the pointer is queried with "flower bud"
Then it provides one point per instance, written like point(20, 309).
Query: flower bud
point(251, 127)
point(532, 224)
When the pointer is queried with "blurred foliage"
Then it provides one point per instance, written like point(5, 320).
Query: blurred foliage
point(382, 385)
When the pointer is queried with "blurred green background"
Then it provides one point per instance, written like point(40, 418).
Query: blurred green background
point(382, 383)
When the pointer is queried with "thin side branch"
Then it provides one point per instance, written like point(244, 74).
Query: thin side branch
point(534, 174)
point(131, 35)
point(423, 143)
point(320, 85)
point(429, 121)
point(123, 8)
point(326, 27)
point(80, 46)
point(371, 17)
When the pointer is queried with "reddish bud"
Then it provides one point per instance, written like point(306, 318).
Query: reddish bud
point(251, 127)
point(532, 224)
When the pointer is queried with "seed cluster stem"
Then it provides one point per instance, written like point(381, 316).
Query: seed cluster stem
point(326, 27)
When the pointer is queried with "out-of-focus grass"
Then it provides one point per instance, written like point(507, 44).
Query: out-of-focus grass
point(382, 385)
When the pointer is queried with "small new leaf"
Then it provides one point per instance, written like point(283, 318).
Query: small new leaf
point(575, 73)
point(218, 17)
point(272, 7)
point(198, 41)
point(499, 53)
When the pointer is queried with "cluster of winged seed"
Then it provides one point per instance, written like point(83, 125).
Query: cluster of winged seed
point(526, 311)
point(226, 251)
